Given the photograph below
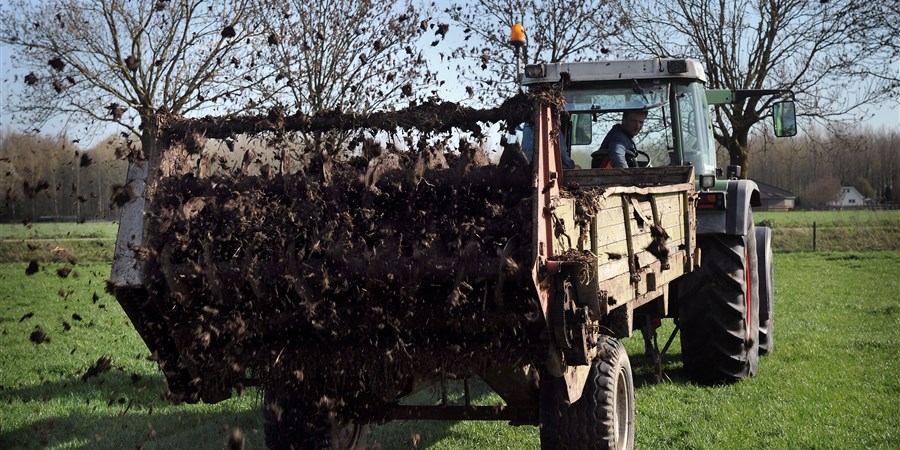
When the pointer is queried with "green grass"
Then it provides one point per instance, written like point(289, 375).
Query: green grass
point(832, 381)
point(850, 230)
point(57, 250)
point(44, 401)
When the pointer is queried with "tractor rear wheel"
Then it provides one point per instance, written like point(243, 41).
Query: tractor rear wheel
point(766, 289)
point(288, 425)
point(719, 312)
point(603, 418)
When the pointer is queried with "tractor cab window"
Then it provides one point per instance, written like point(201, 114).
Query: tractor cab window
point(695, 138)
point(593, 111)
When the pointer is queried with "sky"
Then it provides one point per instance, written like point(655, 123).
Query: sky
point(885, 116)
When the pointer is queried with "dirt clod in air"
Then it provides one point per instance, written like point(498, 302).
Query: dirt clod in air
point(103, 364)
point(32, 268)
point(121, 195)
point(57, 64)
point(116, 111)
point(38, 336)
point(132, 62)
point(31, 190)
point(236, 439)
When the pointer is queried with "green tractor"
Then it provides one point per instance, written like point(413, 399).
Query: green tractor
point(724, 309)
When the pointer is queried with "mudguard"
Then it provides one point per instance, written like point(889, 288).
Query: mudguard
point(740, 196)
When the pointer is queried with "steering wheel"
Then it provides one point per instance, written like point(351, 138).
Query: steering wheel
point(647, 163)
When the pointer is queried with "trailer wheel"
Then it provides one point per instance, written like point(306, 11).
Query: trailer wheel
point(287, 425)
point(603, 418)
point(766, 289)
point(718, 310)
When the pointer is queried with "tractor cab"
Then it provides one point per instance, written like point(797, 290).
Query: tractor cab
point(678, 129)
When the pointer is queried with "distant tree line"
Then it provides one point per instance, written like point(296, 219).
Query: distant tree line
point(814, 166)
point(50, 178)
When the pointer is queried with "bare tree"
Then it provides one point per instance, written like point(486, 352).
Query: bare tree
point(831, 54)
point(821, 192)
point(557, 30)
point(344, 54)
point(120, 60)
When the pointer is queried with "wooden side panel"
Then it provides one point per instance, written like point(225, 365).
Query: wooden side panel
point(634, 261)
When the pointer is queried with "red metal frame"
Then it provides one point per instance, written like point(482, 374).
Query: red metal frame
point(547, 177)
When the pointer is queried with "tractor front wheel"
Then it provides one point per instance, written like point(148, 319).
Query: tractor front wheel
point(719, 310)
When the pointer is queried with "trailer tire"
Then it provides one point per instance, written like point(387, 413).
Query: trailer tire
point(287, 425)
point(603, 418)
point(766, 289)
point(718, 310)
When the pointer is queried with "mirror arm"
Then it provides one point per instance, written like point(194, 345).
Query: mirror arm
point(743, 94)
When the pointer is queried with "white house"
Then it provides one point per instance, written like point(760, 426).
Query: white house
point(850, 198)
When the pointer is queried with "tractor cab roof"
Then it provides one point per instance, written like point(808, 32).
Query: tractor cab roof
point(614, 70)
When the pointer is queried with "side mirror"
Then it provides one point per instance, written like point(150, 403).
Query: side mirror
point(582, 129)
point(785, 118)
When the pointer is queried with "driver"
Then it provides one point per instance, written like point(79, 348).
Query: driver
point(618, 148)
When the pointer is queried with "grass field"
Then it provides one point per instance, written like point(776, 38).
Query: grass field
point(832, 381)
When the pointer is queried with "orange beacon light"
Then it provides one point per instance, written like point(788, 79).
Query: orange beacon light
point(517, 37)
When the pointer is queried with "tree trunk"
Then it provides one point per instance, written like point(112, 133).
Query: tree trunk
point(739, 149)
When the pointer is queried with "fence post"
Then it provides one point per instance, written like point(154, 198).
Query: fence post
point(814, 236)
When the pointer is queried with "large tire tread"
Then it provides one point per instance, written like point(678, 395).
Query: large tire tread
point(715, 341)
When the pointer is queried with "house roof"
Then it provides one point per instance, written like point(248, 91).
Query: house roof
point(769, 191)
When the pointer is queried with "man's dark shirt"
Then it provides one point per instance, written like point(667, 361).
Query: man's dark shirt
point(618, 147)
